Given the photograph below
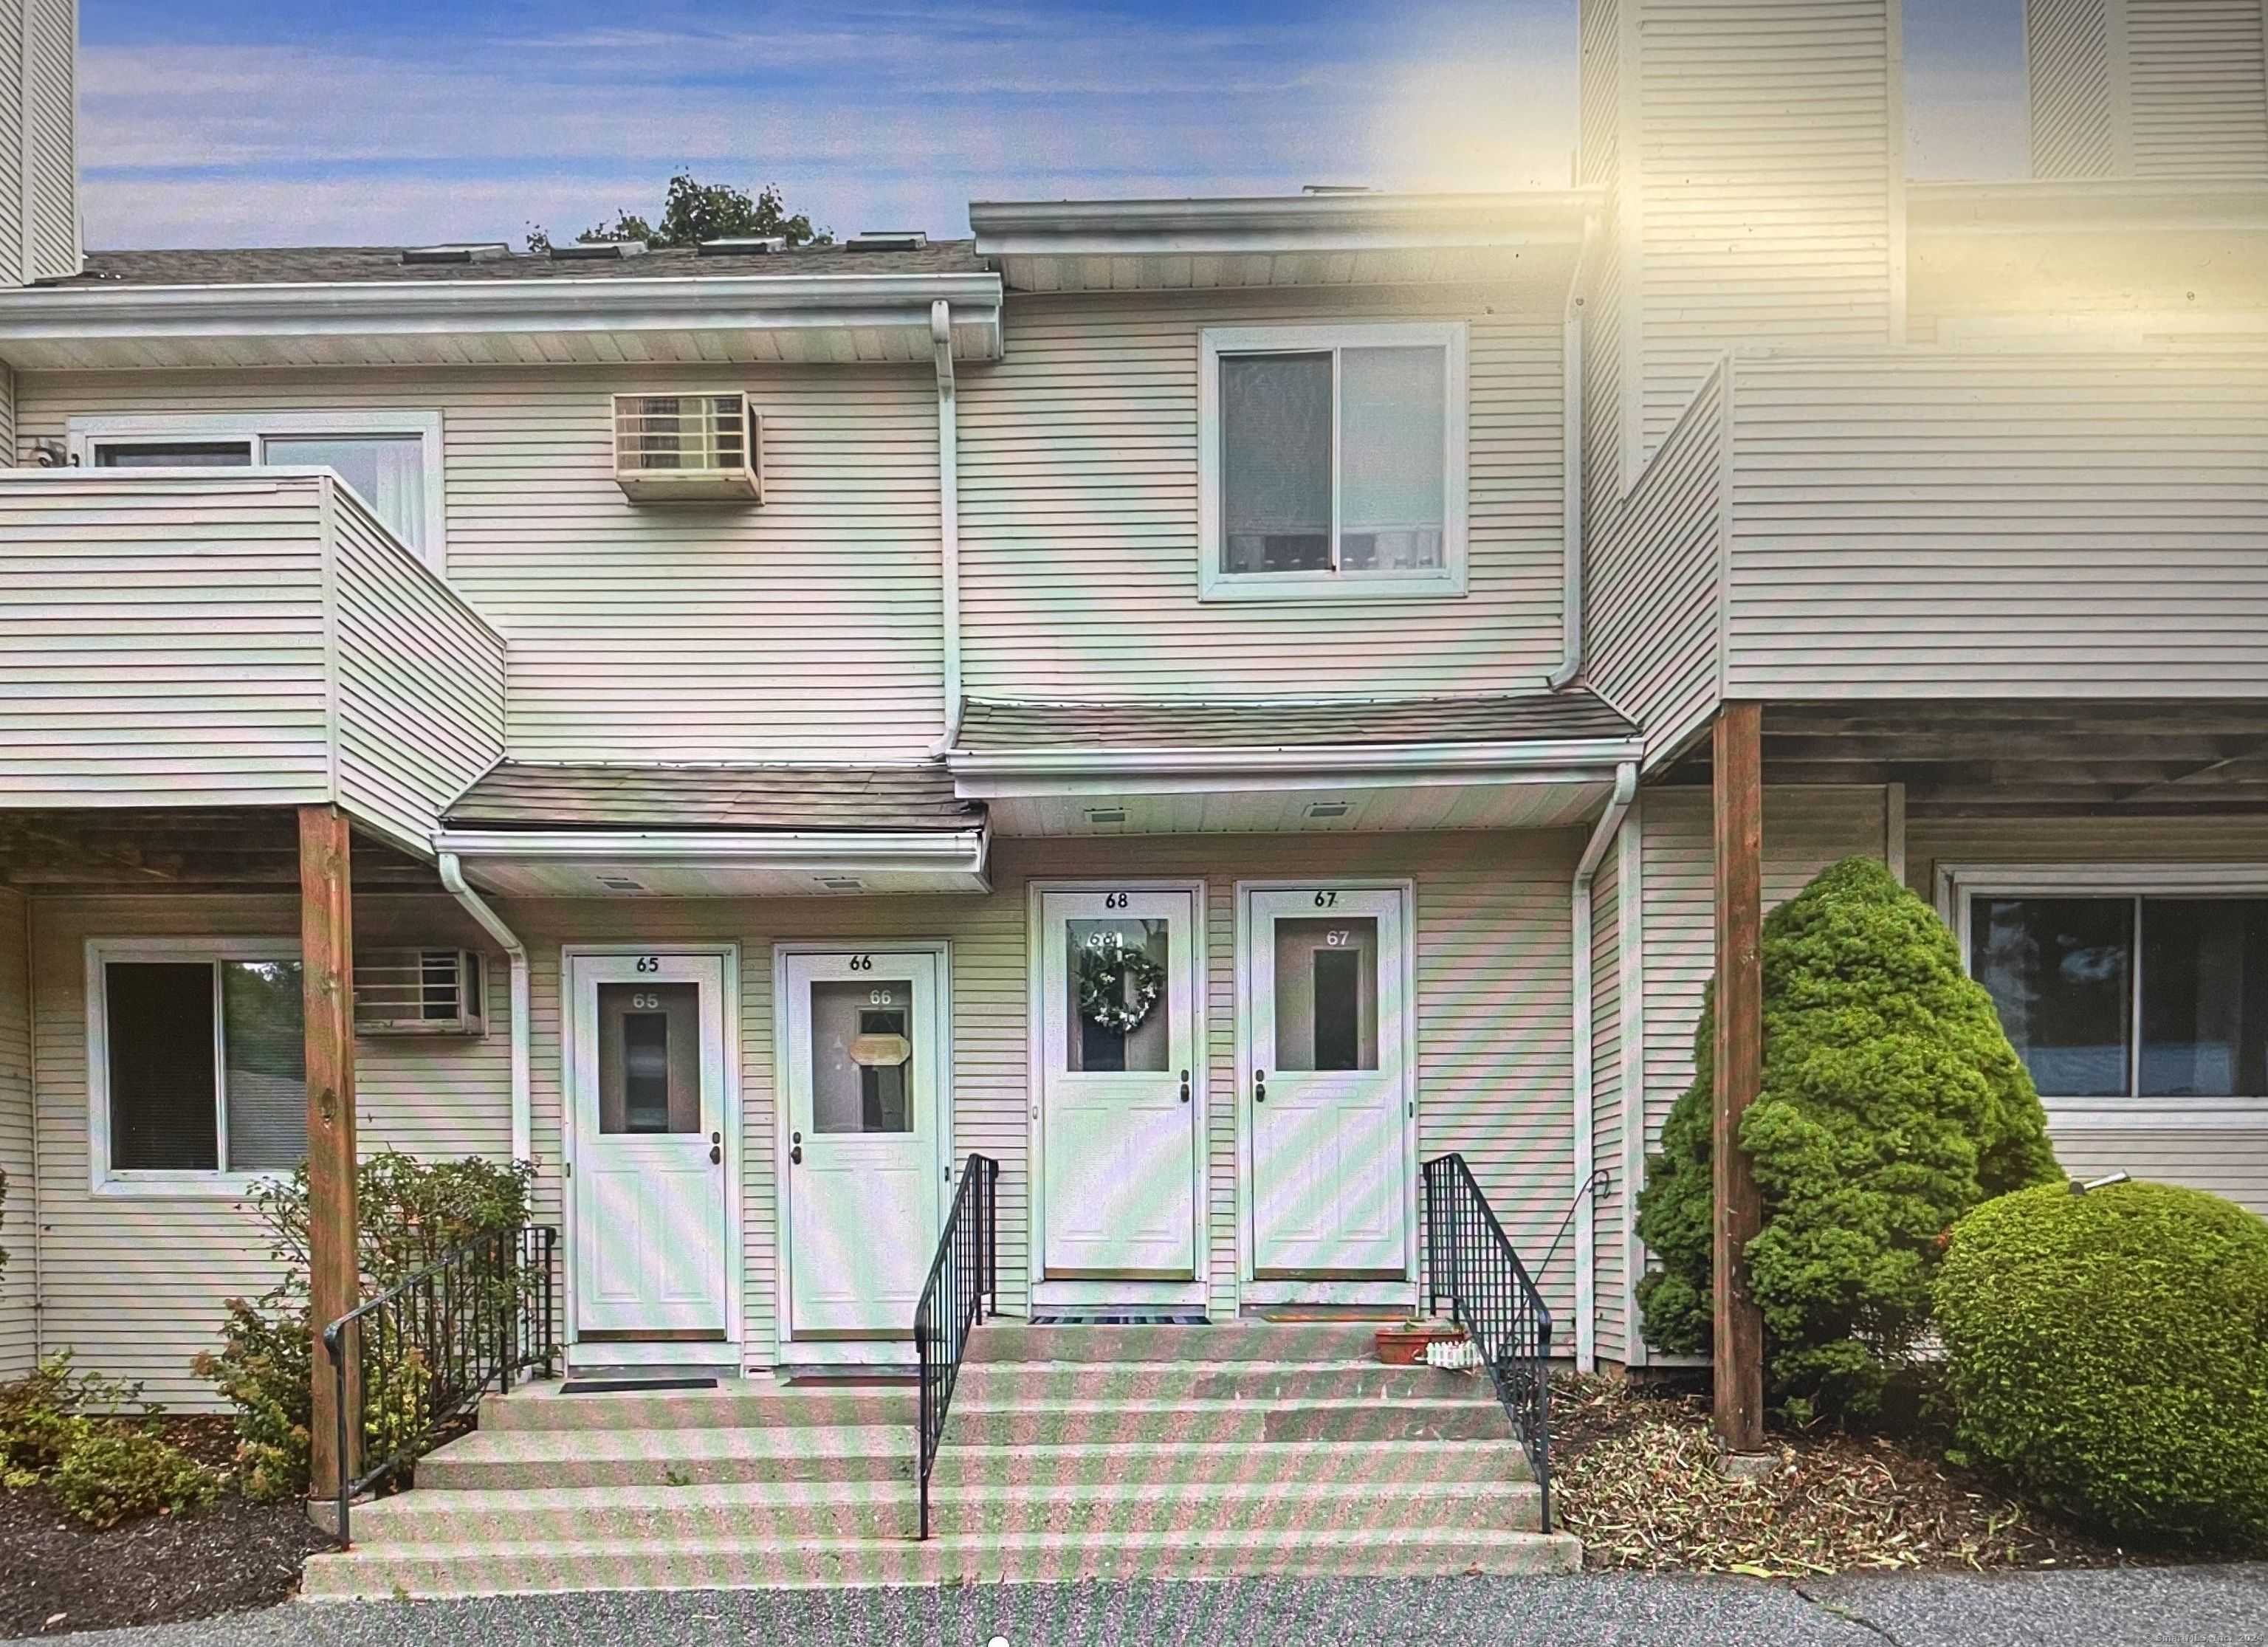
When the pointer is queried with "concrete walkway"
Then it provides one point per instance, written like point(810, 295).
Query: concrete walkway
point(2192, 1607)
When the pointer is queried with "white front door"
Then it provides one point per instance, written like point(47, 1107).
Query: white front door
point(861, 1038)
point(1120, 1084)
point(1330, 1057)
point(646, 1085)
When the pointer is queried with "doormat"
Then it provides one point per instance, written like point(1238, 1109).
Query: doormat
point(1124, 1319)
point(617, 1386)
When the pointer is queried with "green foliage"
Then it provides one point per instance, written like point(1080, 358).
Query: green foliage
point(1891, 1104)
point(2111, 1351)
point(68, 1428)
point(411, 1213)
point(117, 1473)
point(692, 212)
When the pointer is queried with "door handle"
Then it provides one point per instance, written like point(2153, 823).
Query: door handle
point(796, 1155)
point(716, 1148)
point(1185, 1086)
point(1260, 1086)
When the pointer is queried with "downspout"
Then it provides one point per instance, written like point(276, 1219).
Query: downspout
point(949, 513)
point(1586, 871)
point(1571, 467)
point(523, 1105)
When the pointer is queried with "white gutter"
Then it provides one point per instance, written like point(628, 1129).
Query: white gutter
point(523, 1105)
point(949, 513)
point(1586, 869)
point(1280, 223)
point(1571, 467)
point(707, 303)
point(1340, 761)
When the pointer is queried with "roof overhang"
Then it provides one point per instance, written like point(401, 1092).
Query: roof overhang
point(1540, 784)
point(825, 320)
point(694, 864)
point(1304, 239)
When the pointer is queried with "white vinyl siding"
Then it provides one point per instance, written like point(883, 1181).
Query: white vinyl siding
point(2147, 88)
point(807, 628)
point(1080, 510)
point(19, 1218)
point(1758, 169)
point(1653, 583)
point(253, 638)
point(1610, 1284)
point(39, 182)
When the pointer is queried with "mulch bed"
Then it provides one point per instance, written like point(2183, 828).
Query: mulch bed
point(1635, 1477)
point(58, 1575)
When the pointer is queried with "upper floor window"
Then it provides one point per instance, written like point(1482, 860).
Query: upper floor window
point(2155, 1000)
point(197, 1064)
point(1332, 462)
point(392, 460)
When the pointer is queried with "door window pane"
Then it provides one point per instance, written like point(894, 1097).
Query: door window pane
point(2057, 969)
point(1327, 993)
point(2205, 998)
point(387, 471)
point(862, 1055)
point(263, 1017)
point(1393, 433)
point(1121, 1015)
point(157, 1021)
point(648, 1057)
point(1276, 463)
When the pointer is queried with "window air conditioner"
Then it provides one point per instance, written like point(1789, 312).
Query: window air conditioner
point(673, 448)
point(417, 992)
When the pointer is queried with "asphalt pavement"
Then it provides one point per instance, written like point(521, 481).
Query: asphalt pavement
point(2175, 1606)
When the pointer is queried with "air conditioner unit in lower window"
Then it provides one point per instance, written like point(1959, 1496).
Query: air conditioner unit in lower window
point(417, 992)
point(688, 448)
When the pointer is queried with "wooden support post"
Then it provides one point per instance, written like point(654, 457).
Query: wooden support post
point(327, 956)
point(1738, 1051)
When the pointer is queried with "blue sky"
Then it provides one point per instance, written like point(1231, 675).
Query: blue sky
point(253, 121)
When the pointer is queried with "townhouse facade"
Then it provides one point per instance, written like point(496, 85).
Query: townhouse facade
point(1206, 703)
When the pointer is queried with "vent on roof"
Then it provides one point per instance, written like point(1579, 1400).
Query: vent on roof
point(674, 448)
point(417, 992)
point(842, 883)
point(465, 252)
point(886, 240)
point(1106, 814)
point(575, 251)
point(742, 246)
point(1336, 188)
point(621, 883)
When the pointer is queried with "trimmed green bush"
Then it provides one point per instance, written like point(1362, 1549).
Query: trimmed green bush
point(411, 1213)
point(2109, 1351)
point(117, 1473)
point(1891, 1105)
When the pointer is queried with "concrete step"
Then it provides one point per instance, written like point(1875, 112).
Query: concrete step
point(521, 1458)
point(733, 1404)
point(788, 1511)
point(487, 1567)
point(1445, 1465)
point(1185, 1424)
point(1034, 1381)
point(1226, 1340)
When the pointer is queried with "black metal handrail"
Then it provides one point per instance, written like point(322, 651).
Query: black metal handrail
point(965, 1272)
point(422, 1352)
point(1471, 1264)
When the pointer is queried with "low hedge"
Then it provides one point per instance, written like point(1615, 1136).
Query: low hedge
point(2110, 1350)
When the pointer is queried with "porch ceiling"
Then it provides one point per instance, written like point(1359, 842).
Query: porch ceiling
point(115, 849)
point(2023, 759)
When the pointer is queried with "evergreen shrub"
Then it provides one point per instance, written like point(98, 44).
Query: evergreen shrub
point(2110, 1350)
point(1891, 1104)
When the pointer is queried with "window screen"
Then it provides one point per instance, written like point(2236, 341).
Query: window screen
point(388, 472)
point(158, 1022)
point(174, 455)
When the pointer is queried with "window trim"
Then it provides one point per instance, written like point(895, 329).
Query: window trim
point(85, 434)
point(173, 1183)
point(1960, 885)
point(1448, 582)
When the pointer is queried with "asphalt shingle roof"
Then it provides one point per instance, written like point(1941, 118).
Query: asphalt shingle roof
point(321, 264)
point(1188, 724)
point(527, 795)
